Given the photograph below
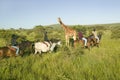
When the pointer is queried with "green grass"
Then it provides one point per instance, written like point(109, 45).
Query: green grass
point(101, 63)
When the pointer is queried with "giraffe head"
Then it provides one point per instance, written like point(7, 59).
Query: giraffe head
point(59, 20)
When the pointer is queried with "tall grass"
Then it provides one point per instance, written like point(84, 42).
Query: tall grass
point(101, 63)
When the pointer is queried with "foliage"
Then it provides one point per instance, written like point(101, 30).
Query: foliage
point(67, 63)
point(6, 35)
point(80, 28)
point(115, 33)
point(39, 30)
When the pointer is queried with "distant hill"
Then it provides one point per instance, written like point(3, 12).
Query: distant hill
point(54, 26)
point(58, 26)
point(108, 25)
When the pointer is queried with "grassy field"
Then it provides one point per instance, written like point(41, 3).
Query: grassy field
point(101, 63)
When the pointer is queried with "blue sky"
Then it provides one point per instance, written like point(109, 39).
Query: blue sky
point(29, 13)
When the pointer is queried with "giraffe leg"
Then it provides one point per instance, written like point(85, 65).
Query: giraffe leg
point(66, 41)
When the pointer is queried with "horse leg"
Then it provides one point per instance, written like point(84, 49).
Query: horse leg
point(40, 52)
point(82, 43)
point(1, 53)
point(98, 45)
point(88, 45)
point(75, 44)
point(35, 51)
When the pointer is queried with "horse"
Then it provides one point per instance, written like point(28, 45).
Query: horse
point(78, 41)
point(7, 51)
point(45, 46)
point(93, 41)
point(24, 47)
point(81, 43)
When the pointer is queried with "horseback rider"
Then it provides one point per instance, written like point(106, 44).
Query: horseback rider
point(94, 33)
point(14, 44)
point(45, 36)
point(81, 37)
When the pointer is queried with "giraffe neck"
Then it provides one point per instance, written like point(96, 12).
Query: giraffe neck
point(68, 31)
point(64, 27)
point(62, 24)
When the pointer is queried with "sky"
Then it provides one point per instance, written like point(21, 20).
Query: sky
point(30, 13)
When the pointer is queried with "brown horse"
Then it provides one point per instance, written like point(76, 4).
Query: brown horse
point(81, 43)
point(24, 47)
point(91, 41)
point(7, 52)
point(78, 41)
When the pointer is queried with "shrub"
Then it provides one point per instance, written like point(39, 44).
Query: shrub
point(115, 33)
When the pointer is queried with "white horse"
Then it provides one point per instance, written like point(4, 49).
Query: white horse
point(45, 46)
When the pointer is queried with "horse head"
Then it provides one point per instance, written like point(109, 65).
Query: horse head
point(54, 45)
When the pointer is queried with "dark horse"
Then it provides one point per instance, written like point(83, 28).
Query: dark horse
point(92, 41)
point(24, 47)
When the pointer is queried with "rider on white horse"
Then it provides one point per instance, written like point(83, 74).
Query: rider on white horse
point(45, 46)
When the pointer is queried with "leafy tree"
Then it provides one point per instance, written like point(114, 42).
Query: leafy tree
point(80, 28)
point(39, 30)
point(6, 35)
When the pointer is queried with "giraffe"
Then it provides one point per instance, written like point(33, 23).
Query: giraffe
point(69, 32)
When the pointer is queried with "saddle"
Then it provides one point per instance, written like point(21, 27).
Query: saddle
point(45, 44)
point(11, 48)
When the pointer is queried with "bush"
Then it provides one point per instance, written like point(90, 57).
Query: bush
point(115, 33)
point(79, 28)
